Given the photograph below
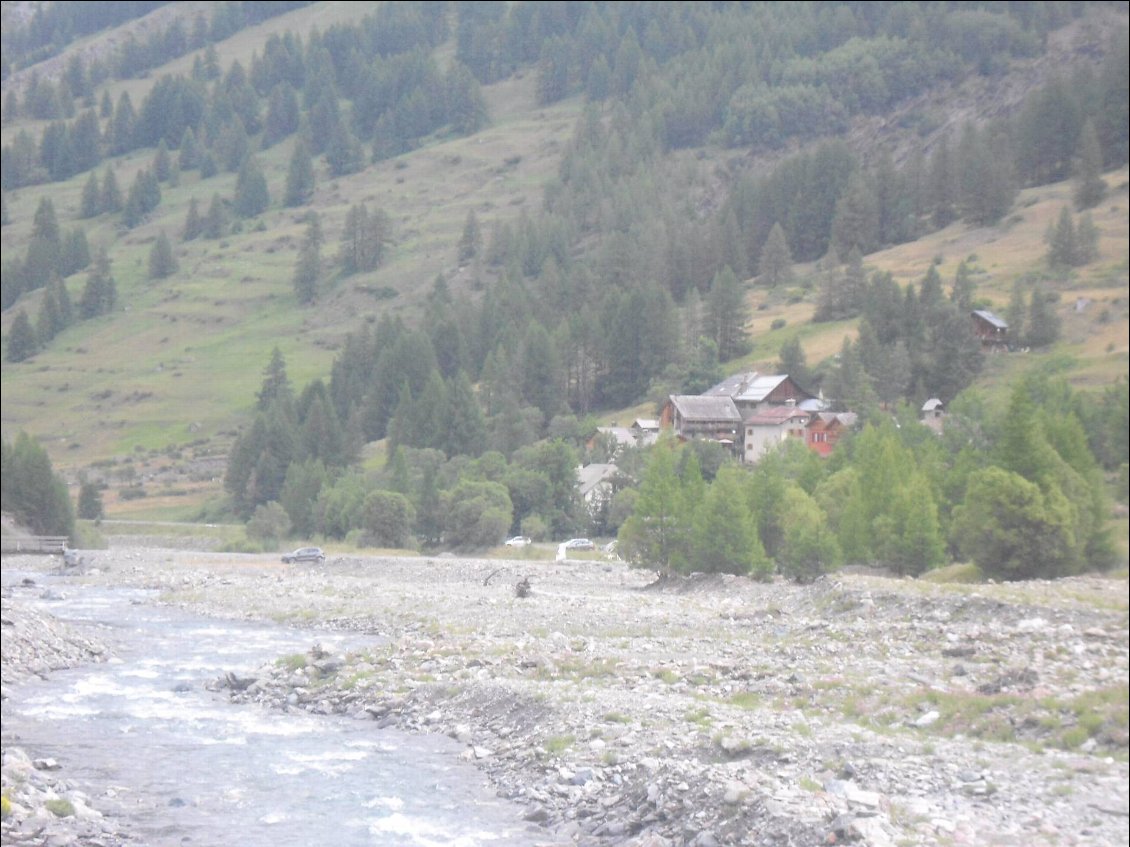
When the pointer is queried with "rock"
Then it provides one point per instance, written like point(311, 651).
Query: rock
point(928, 719)
point(47, 765)
point(736, 792)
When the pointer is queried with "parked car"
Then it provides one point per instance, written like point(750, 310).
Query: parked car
point(579, 544)
point(305, 554)
point(518, 541)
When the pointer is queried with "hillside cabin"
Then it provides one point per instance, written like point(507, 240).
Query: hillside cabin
point(991, 330)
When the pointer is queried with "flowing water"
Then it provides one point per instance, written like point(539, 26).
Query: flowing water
point(179, 765)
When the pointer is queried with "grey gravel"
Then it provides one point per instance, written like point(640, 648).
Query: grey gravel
point(706, 710)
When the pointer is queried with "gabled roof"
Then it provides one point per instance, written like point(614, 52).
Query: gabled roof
point(932, 404)
point(591, 476)
point(623, 435)
point(776, 415)
point(646, 424)
point(990, 318)
point(827, 420)
point(703, 408)
point(750, 387)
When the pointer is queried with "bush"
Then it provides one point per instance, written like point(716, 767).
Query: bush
point(268, 524)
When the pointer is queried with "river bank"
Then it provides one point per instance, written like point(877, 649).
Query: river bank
point(709, 710)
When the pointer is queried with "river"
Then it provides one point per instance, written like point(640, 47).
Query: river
point(177, 764)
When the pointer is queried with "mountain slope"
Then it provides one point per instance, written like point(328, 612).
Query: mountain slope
point(173, 372)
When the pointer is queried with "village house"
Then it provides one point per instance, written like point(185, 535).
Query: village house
point(697, 416)
point(750, 391)
point(594, 482)
point(768, 428)
point(991, 330)
point(826, 428)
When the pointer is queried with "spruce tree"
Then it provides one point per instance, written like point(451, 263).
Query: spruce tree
point(90, 205)
point(193, 223)
point(1043, 322)
point(1063, 249)
point(99, 293)
point(299, 176)
point(162, 163)
point(162, 260)
point(251, 195)
point(90, 501)
point(21, 338)
point(776, 263)
point(216, 221)
point(111, 198)
point(471, 242)
point(728, 315)
point(189, 155)
point(309, 267)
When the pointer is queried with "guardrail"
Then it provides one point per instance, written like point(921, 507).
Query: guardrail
point(47, 544)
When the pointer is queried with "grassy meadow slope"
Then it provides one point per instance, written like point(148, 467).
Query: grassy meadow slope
point(181, 363)
point(157, 389)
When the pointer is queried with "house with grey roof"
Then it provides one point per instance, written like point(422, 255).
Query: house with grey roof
point(697, 416)
point(752, 390)
point(992, 330)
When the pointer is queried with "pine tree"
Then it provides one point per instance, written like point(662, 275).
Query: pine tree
point(21, 338)
point(1043, 322)
point(251, 195)
point(193, 223)
point(299, 176)
point(32, 491)
point(1017, 312)
point(111, 198)
point(794, 363)
point(856, 221)
point(1063, 249)
point(90, 205)
point(471, 242)
point(99, 293)
point(276, 384)
point(162, 163)
point(724, 538)
point(1086, 240)
point(90, 501)
point(216, 221)
point(728, 315)
point(776, 263)
point(162, 260)
point(189, 155)
point(309, 267)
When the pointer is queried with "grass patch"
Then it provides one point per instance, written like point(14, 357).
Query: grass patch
point(60, 807)
point(747, 700)
point(699, 717)
point(293, 662)
point(558, 744)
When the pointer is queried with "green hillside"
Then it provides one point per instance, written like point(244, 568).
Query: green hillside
point(159, 387)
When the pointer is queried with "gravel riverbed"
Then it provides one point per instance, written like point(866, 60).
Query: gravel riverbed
point(622, 710)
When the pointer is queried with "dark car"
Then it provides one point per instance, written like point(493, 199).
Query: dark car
point(305, 554)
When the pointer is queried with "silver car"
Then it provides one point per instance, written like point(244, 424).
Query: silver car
point(305, 554)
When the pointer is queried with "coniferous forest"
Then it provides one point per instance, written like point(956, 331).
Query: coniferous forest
point(395, 270)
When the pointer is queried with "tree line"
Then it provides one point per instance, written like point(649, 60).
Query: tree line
point(1017, 491)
